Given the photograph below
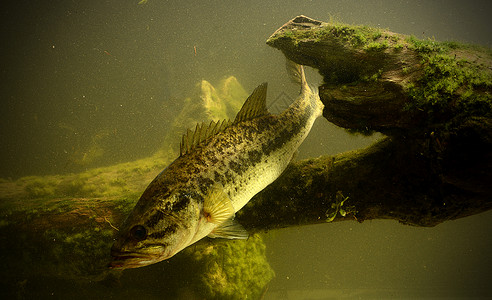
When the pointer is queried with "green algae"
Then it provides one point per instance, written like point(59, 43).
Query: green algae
point(79, 253)
point(350, 36)
point(452, 88)
point(3, 223)
point(235, 269)
point(38, 187)
point(121, 179)
point(376, 46)
point(73, 252)
point(356, 36)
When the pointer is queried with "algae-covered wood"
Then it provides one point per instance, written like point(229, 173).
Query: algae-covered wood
point(375, 79)
point(434, 100)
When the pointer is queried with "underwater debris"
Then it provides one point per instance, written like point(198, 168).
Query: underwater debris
point(337, 207)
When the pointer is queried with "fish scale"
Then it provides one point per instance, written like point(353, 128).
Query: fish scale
point(222, 165)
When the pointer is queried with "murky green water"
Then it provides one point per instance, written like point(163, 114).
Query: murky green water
point(96, 83)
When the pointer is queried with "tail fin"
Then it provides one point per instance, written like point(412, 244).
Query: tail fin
point(296, 74)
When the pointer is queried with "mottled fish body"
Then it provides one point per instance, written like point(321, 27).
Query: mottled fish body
point(222, 165)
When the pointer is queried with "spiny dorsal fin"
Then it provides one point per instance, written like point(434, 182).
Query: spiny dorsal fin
point(191, 139)
point(255, 105)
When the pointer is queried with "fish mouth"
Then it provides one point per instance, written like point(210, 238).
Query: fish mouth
point(123, 261)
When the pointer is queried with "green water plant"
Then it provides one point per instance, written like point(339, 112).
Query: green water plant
point(337, 207)
point(453, 86)
point(235, 269)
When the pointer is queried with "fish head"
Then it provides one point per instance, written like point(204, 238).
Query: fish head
point(152, 233)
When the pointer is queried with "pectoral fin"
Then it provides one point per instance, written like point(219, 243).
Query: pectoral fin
point(217, 206)
point(229, 229)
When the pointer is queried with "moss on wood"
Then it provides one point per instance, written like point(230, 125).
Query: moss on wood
point(375, 79)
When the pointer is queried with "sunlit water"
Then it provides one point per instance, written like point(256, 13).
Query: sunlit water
point(95, 83)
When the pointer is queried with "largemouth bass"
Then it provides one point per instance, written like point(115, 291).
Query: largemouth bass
point(221, 166)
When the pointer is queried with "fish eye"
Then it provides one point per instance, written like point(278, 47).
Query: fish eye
point(138, 232)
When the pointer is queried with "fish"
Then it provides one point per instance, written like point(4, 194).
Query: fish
point(221, 166)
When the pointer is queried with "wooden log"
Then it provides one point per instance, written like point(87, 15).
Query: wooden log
point(379, 80)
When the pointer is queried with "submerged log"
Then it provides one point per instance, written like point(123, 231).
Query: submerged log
point(432, 103)
point(379, 80)
point(393, 179)
point(433, 100)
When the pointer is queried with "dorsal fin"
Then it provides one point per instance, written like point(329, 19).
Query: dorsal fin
point(255, 105)
point(202, 132)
